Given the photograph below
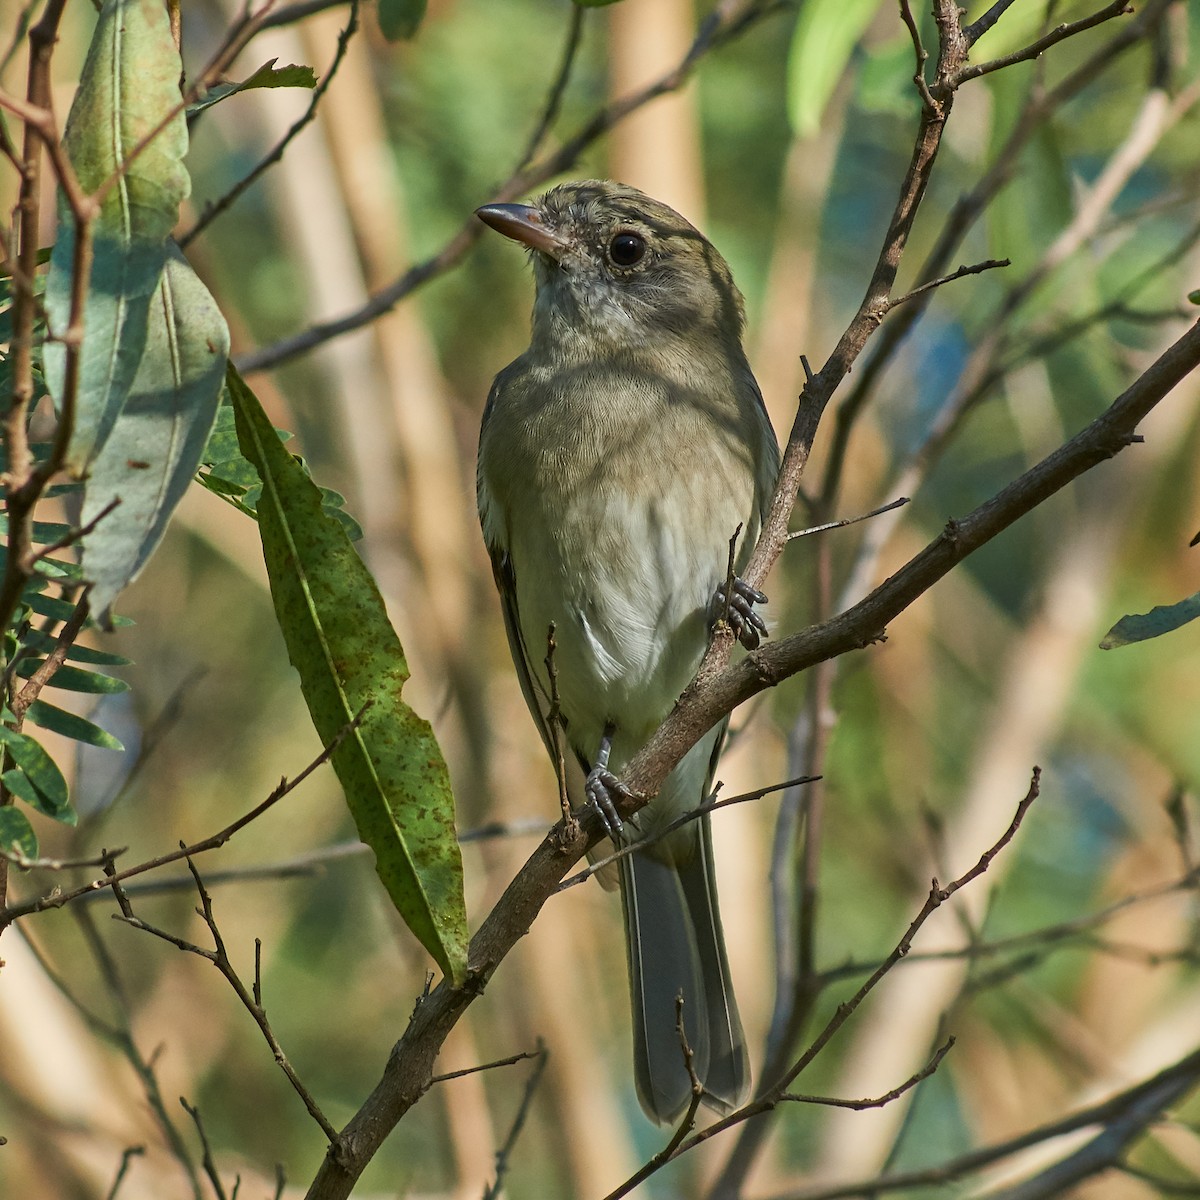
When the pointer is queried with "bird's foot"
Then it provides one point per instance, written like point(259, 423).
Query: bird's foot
point(748, 627)
point(603, 790)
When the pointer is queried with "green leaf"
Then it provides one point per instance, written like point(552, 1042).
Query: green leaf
point(38, 781)
point(825, 36)
point(129, 86)
point(75, 679)
point(348, 655)
point(225, 473)
point(267, 76)
point(1137, 627)
point(44, 643)
point(1194, 297)
point(156, 444)
point(16, 833)
point(71, 725)
point(400, 19)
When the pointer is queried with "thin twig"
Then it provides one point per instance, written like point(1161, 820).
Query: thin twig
point(878, 1101)
point(57, 899)
point(691, 815)
point(127, 1155)
point(975, 269)
point(207, 1161)
point(554, 98)
point(490, 1066)
point(827, 525)
point(504, 1154)
point(251, 1000)
point(225, 202)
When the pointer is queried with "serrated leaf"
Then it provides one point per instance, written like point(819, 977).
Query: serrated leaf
point(339, 639)
point(1138, 627)
point(825, 36)
point(49, 788)
point(129, 86)
point(267, 76)
point(16, 833)
point(70, 725)
point(151, 455)
point(75, 679)
point(400, 19)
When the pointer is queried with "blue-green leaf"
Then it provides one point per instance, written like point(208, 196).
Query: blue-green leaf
point(155, 446)
point(128, 89)
point(1137, 627)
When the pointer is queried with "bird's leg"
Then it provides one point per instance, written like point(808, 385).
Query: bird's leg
point(737, 607)
point(603, 788)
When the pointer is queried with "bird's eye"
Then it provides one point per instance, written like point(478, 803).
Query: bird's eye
point(626, 249)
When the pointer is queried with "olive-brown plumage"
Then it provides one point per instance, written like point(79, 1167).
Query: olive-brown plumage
point(617, 457)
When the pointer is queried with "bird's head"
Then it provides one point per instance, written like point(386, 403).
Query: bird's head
point(613, 265)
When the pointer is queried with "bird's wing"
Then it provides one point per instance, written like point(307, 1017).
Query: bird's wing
point(537, 697)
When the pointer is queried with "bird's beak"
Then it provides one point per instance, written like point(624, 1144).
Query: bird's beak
point(525, 224)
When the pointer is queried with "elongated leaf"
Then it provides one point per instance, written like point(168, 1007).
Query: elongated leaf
point(71, 725)
point(149, 458)
point(43, 643)
point(35, 767)
point(129, 86)
point(341, 642)
point(825, 36)
point(74, 679)
point(1137, 627)
point(267, 76)
point(16, 833)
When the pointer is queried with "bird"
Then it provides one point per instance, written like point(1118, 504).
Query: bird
point(618, 457)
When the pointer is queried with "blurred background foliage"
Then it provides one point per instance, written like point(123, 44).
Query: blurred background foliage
point(932, 735)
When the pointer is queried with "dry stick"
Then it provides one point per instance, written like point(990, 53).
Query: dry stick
point(726, 23)
point(778, 1092)
point(491, 1066)
point(251, 1000)
point(57, 899)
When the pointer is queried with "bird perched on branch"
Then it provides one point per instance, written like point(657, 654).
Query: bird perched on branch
point(618, 456)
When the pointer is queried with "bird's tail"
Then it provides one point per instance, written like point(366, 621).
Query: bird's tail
point(676, 947)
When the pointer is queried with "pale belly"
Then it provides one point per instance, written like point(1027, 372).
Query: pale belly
point(627, 586)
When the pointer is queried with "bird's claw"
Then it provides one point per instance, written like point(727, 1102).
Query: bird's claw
point(748, 627)
point(603, 789)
